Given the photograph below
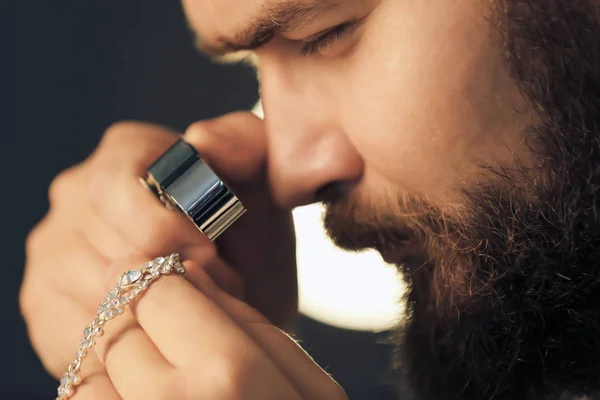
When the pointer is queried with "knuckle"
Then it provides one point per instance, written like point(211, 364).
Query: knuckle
point(178, 386)
point(36, 242)
point(118, 132)
point(127, 134)
point(98, 187)
point(60, 185)
point(197, 131)
point(34, 238)
point(119, 136)
point(231, 375)
point(238, 117)
point(26, 301)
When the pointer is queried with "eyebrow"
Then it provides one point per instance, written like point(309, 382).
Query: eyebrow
point(274, 17)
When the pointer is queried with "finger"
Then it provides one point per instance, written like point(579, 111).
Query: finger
point(127, 207)
point(172, 308)
point(68, 222)
point(309, 379)
point(66, 199)
point(108, 243)
point(203, 342)
point(235, 147)
point(50, 314)
point(138, 218)
point(131, 359)
point(54, 262)
point(47, 299)
point(95, 383)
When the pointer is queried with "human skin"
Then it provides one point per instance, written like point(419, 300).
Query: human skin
point(416, 98)
point(422, 139)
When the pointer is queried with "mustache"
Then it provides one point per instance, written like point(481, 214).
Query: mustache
point(354, 224)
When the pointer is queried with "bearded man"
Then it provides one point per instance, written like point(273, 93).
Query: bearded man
point(460, 138)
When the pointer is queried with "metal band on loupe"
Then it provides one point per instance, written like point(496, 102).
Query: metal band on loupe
point(182, 181)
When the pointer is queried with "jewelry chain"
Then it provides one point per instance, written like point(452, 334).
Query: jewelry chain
point(129, 286)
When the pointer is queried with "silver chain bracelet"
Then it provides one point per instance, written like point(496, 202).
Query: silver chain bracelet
point(128, 287)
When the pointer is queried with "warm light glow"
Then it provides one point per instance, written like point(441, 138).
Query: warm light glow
point(348, 290)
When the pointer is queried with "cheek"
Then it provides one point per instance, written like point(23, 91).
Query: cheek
point(428, 96)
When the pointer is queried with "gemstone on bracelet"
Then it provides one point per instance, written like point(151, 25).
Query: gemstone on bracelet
point(128, 286)
point(103, 307)
point(68, 379)
point(75, 364)
point(97, 331)
point(130, 277)
point(165, 269)
point(179, 268)
point(65, 390)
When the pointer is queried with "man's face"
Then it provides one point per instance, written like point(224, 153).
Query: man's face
point(412, 96)
point(451, 136)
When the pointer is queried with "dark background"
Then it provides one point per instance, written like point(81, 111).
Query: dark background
point(80, 66)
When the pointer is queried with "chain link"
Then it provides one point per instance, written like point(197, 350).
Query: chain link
point(129, 286)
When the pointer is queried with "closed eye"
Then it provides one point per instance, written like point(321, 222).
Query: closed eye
point(324, 41)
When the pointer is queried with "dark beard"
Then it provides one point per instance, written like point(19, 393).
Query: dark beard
point(505, 303)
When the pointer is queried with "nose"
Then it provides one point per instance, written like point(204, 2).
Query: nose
point(310, 157)
point(311, 166)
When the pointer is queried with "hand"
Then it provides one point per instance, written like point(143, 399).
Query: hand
point(178, 341)
point(99, 213)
